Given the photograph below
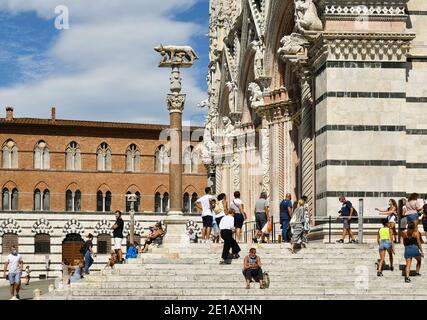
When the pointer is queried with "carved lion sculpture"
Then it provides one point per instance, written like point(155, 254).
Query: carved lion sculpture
point(293, 44)
point(174, 53)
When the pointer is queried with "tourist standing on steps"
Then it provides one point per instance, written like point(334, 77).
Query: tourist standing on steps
point(118, 235)
point(252, 269)
point(262, 216)
point(385, 239)
point(14, 265)
point(285, 215)
point(391, 213)
point(297, 225)
point(88, 253)
point(220, 208)
point(204, 204)
point(346, 213)
point(413, 249)
point(227, 228)
point(239, 216)
point(413, 208)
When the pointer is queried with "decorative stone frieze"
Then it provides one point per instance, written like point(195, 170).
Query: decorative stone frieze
point(10, 226)
point(73, 226)
point(42, 226)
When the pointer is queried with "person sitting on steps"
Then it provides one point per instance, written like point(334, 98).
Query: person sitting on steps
point(252, 269)
point(154, 238)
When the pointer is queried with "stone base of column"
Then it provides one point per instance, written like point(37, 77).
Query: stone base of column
point(176, 230)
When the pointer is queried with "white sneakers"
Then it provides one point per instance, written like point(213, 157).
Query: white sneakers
point(14, 298)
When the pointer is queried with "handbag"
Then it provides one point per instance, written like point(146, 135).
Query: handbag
point(269, 226)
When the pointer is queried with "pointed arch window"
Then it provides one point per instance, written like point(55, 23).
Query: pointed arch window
point(157, 202)
point(103, 157)
point(137, 204)
point(73, 157)
point(165, 202)
point(41, 156)
point(194, 198)
point(186, 202)
point(73, 201)
point(6, 200)
point(103, 202)
point(133, 159)
point(191, 160)
point(162, 160)
point(41, 200)
point(10, 155)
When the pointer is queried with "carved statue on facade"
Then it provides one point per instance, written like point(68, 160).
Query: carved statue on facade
point(293, 45)
point(258, 59)
point(232, 95)
point(306, 17)
point(228, 128)
point(176, 54)
point(256, 98)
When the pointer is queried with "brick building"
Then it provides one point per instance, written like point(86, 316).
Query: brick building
point(64, 178)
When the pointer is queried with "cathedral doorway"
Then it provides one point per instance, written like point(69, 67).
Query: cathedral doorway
point(71, 247)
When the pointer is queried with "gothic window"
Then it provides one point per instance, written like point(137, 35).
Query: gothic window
point(157, 202)
point(191, 160)
point(37, 200)
point(104, 244)
point(77, 201)
point(9, 240)
point(186, 202)
point(42, 244)
point(10, 155)
point(99, 201)
point(6, 200)
point(73, 157)
point(46, 200)
point(41, 156)
point(73, 201)
point(69, 200)
point(108, 201)
point(165, 202)
point(162, 160)
point(103, 157)
point(137, 204)
point(194, 198)
point(133, 159)
point(14, 200)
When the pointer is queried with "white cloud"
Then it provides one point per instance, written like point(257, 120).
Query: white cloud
point(104, 67)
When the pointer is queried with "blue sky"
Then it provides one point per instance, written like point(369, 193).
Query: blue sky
point(103, 67)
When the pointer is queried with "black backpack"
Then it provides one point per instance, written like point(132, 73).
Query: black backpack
point(83, 248)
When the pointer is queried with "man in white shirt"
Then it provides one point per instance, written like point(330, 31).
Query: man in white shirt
point(204, 204)
point(15, 265)
point(227, 228)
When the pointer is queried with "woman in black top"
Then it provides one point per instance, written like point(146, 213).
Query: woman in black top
point(413, 249)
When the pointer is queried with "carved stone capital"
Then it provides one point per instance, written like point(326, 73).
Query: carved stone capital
point(175, 102)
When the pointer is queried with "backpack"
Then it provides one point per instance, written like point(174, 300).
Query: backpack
point(83, 248)
point(355, 214)
point(217, 208)
point(266, 280)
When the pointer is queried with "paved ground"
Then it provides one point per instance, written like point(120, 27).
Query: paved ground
point(26, 292)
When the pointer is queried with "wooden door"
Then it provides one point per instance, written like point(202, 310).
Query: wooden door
point(71, 248)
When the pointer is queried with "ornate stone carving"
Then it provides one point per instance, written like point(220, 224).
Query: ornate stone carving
point(73, 226)
point(10, 226)
point(232, 95)
point(306, 17)
point(176, 102)
point(103, 227)
point(191, 225)
point(258, 47)
point(138, 229)
point(294, 44)
point(265, 159)
point(357, 10)
point(228, 129)
point(183, 56)
point(256, 97)
point(236, 169)
point(42, 226)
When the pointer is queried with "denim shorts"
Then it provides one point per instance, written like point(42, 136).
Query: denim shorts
point(385, 245)
point(14, 278)
point(412, 217)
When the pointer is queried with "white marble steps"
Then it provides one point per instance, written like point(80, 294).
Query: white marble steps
point(322, 271)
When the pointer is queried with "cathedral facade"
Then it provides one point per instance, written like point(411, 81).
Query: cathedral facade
point(319, 98)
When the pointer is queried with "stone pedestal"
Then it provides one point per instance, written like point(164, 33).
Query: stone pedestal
point(176, 233)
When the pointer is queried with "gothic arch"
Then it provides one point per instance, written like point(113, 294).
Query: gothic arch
point(41, 186)
point(161, 189)
point(10, 185)
point(73, 227)
point(103, 188)
point(133, 188)
point(42, 226)
point(190, 189)
point(103, 227)
point(10, 226)
point(73, 187)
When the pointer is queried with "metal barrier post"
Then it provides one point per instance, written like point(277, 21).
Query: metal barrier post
point(330, 230)
point(360, 231)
